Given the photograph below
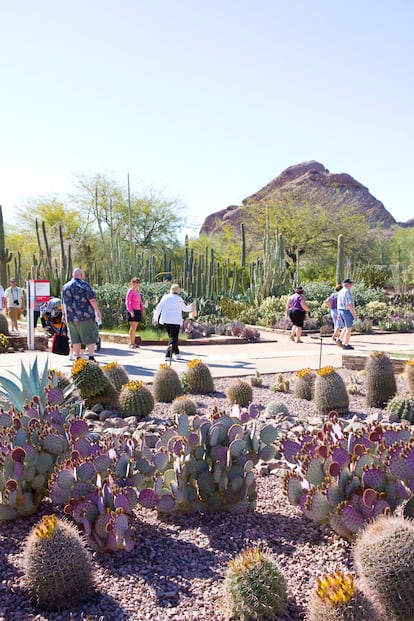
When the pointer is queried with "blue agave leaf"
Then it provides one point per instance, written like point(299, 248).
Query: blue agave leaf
point(12, 392)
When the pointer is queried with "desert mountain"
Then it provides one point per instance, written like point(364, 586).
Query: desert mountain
point(309, 183)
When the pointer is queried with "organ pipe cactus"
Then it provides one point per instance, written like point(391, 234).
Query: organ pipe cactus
point(330, 392)
point(345, 478)
point(379, 380)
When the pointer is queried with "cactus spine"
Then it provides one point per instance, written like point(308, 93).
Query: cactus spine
point(336, 598)
point(384, 559)
point(166, 384)
point(330, 392)
point(198, 377)
point(240, 392)
point(135, 400)
point(304, 384)
point(380, 380)
point(254, 585)
point(57, 566)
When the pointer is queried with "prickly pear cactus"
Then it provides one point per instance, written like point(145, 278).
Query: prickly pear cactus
point(4, 326)
point(57, 565)
point(116, 374)
point(384, 560)
point(336, 598)
point(183, 405)
point(166, 384)
point(304, 384)
point(254, 585)
point(379, 380)
point(198, 377)
point(135, 400)
point(401, 408)
point(409, 375)
point(239, 392)
point(330, 392)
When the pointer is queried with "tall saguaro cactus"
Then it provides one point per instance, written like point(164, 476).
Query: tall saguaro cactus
point(5, 255)
point(340, 260)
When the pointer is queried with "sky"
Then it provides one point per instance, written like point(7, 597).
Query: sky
point(205, 101)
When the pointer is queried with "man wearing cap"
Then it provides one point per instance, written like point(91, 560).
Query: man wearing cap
point(15, 304)
point(346, 310)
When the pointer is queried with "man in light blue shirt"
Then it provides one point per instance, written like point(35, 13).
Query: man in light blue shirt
point(347, 313)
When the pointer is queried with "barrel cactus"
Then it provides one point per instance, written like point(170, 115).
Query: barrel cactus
point(330, 392)
point(380, 380)
point(57, 565)
point(89, 378)
point(401, 408)
point(4, 326)
point(254, 585)
point(409, 375)
point(384, 560)
point(336, 598)
point(304, 384)
point(183, 405)
point(240, 392)
point(116, 374)
point(276, 407)
point(198, 377)
point(166, 384)
point(135, 400)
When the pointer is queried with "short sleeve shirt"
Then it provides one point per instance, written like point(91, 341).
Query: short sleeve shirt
point(295, 302)
point(334, 301)
point(75, 298)
point(344, 299)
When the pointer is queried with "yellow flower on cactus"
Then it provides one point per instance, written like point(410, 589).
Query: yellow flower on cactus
point(47, 527)
point(248, 559)
point(377, 354)
point(194, 363)
point(336, 588)
point(109, 365)
point(328, 370)
point(410, 362)
point(78, 366)
point(303, 372)
point(134, 385)
point(164, 366)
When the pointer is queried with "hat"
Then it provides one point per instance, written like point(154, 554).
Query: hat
point(299, 289)
point(12, 279)
point(348, 281)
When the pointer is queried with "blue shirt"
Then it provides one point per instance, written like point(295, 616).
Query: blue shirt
point(75, 298)
point(344, 299)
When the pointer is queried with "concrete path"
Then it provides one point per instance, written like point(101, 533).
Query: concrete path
point(275, 353)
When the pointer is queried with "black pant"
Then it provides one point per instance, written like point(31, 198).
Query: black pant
point(173, 330)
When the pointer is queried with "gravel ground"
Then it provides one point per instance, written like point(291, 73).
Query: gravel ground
point(176, 570)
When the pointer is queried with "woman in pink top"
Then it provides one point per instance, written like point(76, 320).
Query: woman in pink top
point(135, 310)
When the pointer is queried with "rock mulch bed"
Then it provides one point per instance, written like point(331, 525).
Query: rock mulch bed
point(176, 570)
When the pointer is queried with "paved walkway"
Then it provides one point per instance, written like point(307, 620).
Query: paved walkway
point(275, 353)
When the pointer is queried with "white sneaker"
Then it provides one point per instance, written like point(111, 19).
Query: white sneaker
point(72, 357)
point(178, 357)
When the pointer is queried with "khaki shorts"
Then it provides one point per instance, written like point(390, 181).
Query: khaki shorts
point(85, 332)
point(14, 313)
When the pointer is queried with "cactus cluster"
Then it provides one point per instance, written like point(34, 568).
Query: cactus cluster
point(57, 565)
point(166, 384)
point(254, 585)
point(240, 392)
point(401, 408)
point(198, 377)
point(384, 560)
point(344, 478)
point(135, 400)
point(207, 465)
point(281, 384)
point(304, 384)
point(379, 380)
point(330, 392)
point(336, 598)
point(93, 385)
point(116, 374)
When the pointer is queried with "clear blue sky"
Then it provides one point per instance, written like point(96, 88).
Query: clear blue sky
point(205, 100)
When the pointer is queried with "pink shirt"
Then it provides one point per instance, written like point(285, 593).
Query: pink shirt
point(133, 300)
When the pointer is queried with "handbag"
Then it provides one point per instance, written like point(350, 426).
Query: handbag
point(60, 343)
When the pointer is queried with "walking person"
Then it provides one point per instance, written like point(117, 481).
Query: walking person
point(15, 304)
point(169, 313)
point(135, 310)
point(296, 309)
point(346, 310)
point(2, 299)
point(332, 303)
point(81, 313)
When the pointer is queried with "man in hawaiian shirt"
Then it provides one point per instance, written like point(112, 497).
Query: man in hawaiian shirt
point(81, 313)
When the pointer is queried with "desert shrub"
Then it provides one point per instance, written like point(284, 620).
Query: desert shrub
point(376, 311)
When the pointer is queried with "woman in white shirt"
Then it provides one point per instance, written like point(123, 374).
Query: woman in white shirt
point(169, 313)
